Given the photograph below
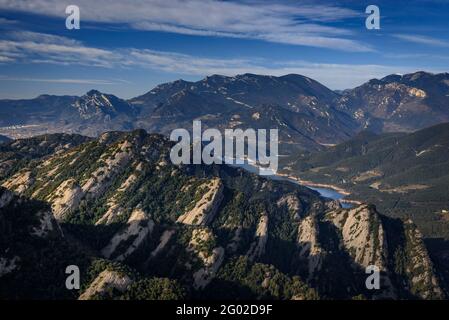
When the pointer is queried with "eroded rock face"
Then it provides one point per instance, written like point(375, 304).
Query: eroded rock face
point(310, 248)
point(139, 226)
point(20, 182)
point(421, 271)
point(114, 209)
point(206, 207)
point(211, 258)
point(363, 235)
point(163, 241)
point(293, 204)
point(236, 240)
point(112, 164)
point(105, 281)
point(363, 238)
point(204, 276)
point(257, 248)
point(65, 198)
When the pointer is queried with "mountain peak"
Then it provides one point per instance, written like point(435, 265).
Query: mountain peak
point(93, 92)
point(97, 104)
point(421, 73)
point(294, 75)
point(216, 76)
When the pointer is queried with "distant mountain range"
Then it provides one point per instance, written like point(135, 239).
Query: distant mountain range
point(90, 115)
point(399, 103)
point(308, 114)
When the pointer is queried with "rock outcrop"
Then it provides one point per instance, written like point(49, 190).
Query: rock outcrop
point(420, 270)
point(363, 237)
point(205, 208)
point(66, 197)
point(212, 258)
point(139, 226)
point(310, 248)
point(106, 280)
point(257, 248)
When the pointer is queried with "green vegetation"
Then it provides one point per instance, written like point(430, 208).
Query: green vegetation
point(245, 280)
point(259, 262)
point(154, 289)
point(405, 175)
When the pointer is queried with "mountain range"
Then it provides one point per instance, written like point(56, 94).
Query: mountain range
point(309, 114)
point(399, 102)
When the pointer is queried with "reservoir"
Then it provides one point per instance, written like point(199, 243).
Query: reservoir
point(324, 192)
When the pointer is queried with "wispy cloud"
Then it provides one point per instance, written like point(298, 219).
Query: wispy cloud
point(26, 46)
point(7, 22)
point(65, 81)
point(290, 23)
point(4, 59)
point(422, 40)
point(42, 48)
point(415, 56)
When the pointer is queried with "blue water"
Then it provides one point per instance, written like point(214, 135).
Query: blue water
point(324, 192)
point(328, 193)
point(332, 194)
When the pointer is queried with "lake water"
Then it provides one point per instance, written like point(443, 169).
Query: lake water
point(324, 192)
point(332, 194)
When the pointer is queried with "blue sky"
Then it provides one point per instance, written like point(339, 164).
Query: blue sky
point(128, 47)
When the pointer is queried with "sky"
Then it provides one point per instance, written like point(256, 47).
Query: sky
point(129, 47)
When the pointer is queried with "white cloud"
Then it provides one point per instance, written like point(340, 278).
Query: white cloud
point(415, 56)
point(64, 80)
point(42, 48)
point(26, 46)
point(7, 22)
point(4, 59)
point(422, 40)
point(292, 23)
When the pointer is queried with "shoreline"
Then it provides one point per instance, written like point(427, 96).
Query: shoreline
point(308, 183)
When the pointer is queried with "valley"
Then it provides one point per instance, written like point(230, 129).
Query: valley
point(326, 191)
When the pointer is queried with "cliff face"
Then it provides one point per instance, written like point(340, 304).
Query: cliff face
point(419, 270)
point(106, 280)
point(134, 223)
point(210, 194)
